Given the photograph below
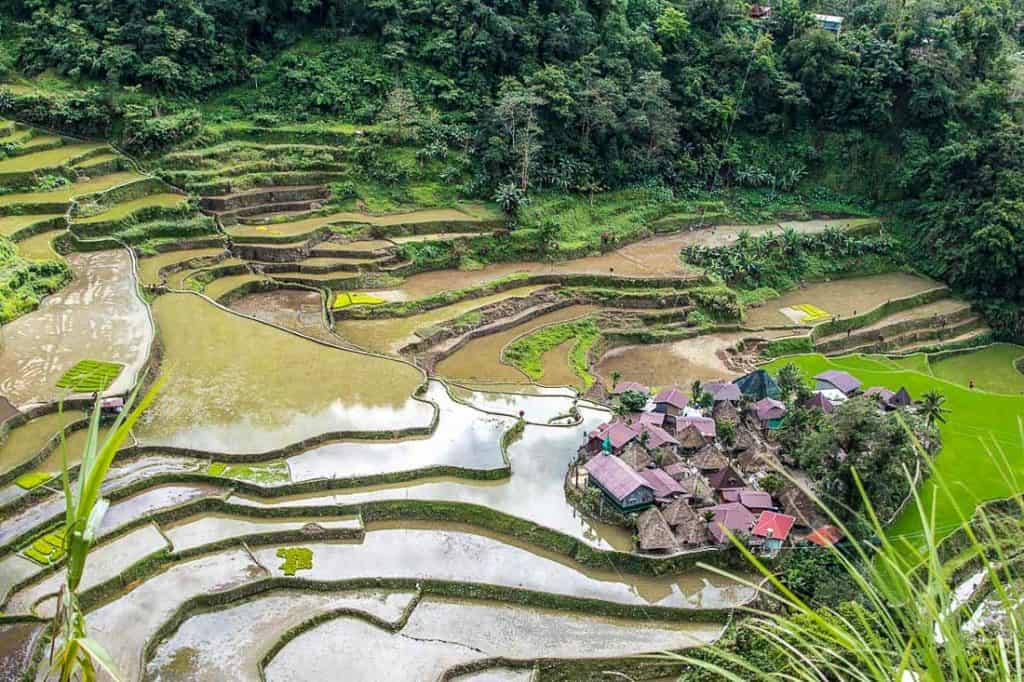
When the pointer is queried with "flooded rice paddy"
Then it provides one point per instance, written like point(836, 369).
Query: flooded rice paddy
point(40, 246)
point(296, 228)
point(98, 316)
point(242, 386)
point(21, 443)
point(300, 310)
point(149, 267)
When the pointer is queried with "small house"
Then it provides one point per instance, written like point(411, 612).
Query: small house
point(725, 411)
point(769, 413)
point(836, 379)
point(654, 437)
point(709, 458)
point(623, 486)
point(654, 533)
point(732, 517)
point(760, 11)
point(829, 22)
point(697, 488)
point(772, 529)
point(624, 386)
point(723, 391)
point(671, 401)
point(111, 406)
point(664, 486)
point(726, 478)
point(798, 503)
point(901, 399)
point(754, 500)
point(690, 438)
point(636, 456)
point(758, 385)
point(820, 402)
point(687, 525)
point(887, 398)
point(611, 437)
point(705, 426)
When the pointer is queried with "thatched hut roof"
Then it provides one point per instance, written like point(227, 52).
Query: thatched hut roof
point(690, 437)
point(757, 459)
point(635, 455)
point(725, 411)
point(689, 526)
point(654, 532)
point(709, 458)
point(696, 486)
point(796, 502)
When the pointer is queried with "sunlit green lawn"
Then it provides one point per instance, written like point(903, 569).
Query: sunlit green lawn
point(991, 368)
point(979, 422)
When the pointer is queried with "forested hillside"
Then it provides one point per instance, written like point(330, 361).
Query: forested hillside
point(914, 105)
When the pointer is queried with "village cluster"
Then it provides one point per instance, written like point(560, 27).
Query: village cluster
point(694, 469)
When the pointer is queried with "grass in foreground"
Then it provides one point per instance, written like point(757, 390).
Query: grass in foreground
point(978, 420)
point(911, 620)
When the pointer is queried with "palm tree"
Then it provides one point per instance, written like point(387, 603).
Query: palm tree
point(616, 375)
point(933, 407)
point(74, 654)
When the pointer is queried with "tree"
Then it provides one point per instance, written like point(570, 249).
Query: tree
point(75, 653)
point(790, 378)
point(510, 198)
point(701, 398)
point(517, 110)
point(400, 115)
point(633, 401)
point(616, 375)
point(933, 407)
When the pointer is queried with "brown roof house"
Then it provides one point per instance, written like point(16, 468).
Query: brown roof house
point(623, 486)
point(726, 478)
point(688, 526)
point(798, 503)
point(635, 455)
point(704, 426)
point(725, 411)
point(697, 489)
point(709, 458)
point(624, 386)
point(769, 412)
point(654, 533)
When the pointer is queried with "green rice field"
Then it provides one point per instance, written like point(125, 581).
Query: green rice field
point(992, 368)
point(981, 438)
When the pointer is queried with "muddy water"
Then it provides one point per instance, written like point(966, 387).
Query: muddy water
point(464, 438)
point(456, 555)
point(105, 562)
point(149, 267)
point(497, 675)
point(667, 364)
point(236, 385)
point(389, 335)
point(842, 297)
point(17, 642)
point(98, 316)
point(12, 223)
point(480, 359)
point(210, 528)
point(74, 446)
point(124, 625)
point(26, 440)
point(557, 366)
point(296, 309)
point(228, 643)
point(441, 634)
point(13, 569)
point(223, 285)
point(39, 247)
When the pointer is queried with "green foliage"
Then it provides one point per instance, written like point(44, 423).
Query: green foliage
point(632, 401)
point(525, 352)
point(295, 559)
point(23, 283)
point(720, 303)
point(47, 548)
point(266, 473)
point(784, 259)
point(790, 379)
point(726, 431)
point(146, 133)
point(90, 376)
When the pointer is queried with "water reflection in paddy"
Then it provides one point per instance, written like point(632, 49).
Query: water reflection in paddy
point(98, 316)
point(212, 528)
point(227, 644)
point(26, 440)
point(471, 556)
point(441, 634)
point(539, 408)
point(464, 438)
point(236, 385)
point(149, 267)
point(300, 310)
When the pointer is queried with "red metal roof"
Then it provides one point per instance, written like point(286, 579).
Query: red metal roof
point(773, 525)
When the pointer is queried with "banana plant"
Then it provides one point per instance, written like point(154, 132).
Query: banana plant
point(75, 655)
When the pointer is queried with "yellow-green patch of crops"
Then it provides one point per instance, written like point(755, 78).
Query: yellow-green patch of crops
point(344, 299)
point(264, 472)
point(47, 548)
point(90, 376)
point(33, 479)
point(295, 559)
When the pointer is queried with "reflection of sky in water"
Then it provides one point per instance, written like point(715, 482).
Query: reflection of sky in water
point(464, 438)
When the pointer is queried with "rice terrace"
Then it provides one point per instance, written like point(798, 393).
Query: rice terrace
point(494, 342)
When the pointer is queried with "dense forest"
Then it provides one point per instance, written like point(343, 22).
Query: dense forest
point(914, 105)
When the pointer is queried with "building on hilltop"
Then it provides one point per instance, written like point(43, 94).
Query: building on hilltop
point(671, 401)
point(769, 413)
point(758, 385)
point(839, 380)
